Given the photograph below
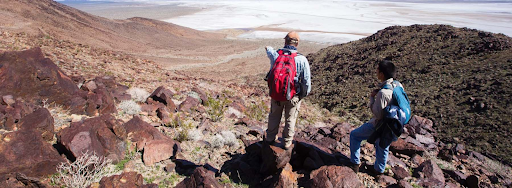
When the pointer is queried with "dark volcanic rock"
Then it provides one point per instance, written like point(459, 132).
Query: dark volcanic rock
point(400, 146)
point(11, 115)
point(28, 74)
point(93, 135)
point(430, 59)
point(335, 176)
point(26, 152)
point(164, 96)
point(430, 171)
point(274, 158)
point(42, 120)
point(149, 139)
point(200, 178)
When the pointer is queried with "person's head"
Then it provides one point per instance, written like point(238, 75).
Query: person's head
point(385, 70)
point(292, 39)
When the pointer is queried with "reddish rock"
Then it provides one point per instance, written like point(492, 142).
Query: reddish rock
point(28, 74)
point(421, 123)
point(400, 146)
point(386, 180)
point(202, 95)
point(335, 176)
point(417, 160)
point(170, 167)
point(8, 100)
point(89, 86)
point(14, 113)
point(142, 133)
point(341, 132)
point(163, 96)
point(100, 102)
point(429, 170)
point(394, 161)
point(425, 139)
point(287, 178)
point(164, 115)
point(456, 175)
point(189, 104)
point(158, 150)
point(124, 180)
point(42, 120)
point(200, 178)
point(400, 172)
point(404, 184)
point(92, 135)
point(26, 152)
point(274, 158)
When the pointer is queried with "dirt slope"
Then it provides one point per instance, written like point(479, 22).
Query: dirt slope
point(48, 17)
point(457, 76)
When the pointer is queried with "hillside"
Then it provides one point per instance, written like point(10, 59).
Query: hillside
point(135, 35)
point(458, 77)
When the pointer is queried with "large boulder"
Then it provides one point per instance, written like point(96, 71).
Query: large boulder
point(28, 74)
point(200, 178)
point(335, 176)
point(42, 120)
point(26, 152)
point(93, 135)
point(156, 145)
point(124, 180)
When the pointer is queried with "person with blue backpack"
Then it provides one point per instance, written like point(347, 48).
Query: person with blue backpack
point(289, 81)
point(391, 111)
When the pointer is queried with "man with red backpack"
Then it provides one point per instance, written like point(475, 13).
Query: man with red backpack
point(289, 80)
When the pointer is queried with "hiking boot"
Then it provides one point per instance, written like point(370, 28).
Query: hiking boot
point(288, 147)
point(355, 167)
point(373, 172)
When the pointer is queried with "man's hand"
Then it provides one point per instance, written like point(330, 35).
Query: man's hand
point(266, 48)
point(374, 92)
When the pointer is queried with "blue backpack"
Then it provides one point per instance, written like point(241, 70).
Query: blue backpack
point(399, 107)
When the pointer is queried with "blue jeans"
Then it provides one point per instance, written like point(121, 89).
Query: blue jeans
point(362, 133)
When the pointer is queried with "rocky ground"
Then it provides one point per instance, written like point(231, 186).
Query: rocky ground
point(163, 128)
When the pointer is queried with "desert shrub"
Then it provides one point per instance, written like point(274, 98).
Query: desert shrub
point(138, 94)
point(216, 108)
point(184, 132)
point(257, 111)
point(129, 107)
point(217, 141)
point(195, 135)
point(86, 169)
point(229, 139)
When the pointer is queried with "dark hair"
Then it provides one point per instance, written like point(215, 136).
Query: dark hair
point(387, 68)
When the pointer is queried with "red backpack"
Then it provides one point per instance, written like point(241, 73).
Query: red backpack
point(281, 77)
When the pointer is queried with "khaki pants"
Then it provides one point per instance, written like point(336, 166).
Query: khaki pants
point(291, 112)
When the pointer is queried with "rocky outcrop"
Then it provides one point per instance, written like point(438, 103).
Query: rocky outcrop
point(335, 176)
point(26, 152)
point(93, 135)
point(429, 171)
point(28, 74)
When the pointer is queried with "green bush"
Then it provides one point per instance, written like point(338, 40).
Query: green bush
point(257, 111)
point(216, 108)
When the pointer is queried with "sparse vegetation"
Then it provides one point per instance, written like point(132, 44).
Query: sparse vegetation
point(138, 94)
point(257, 111)
point(129, 107)
point(216, 108)
point(87, 169)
